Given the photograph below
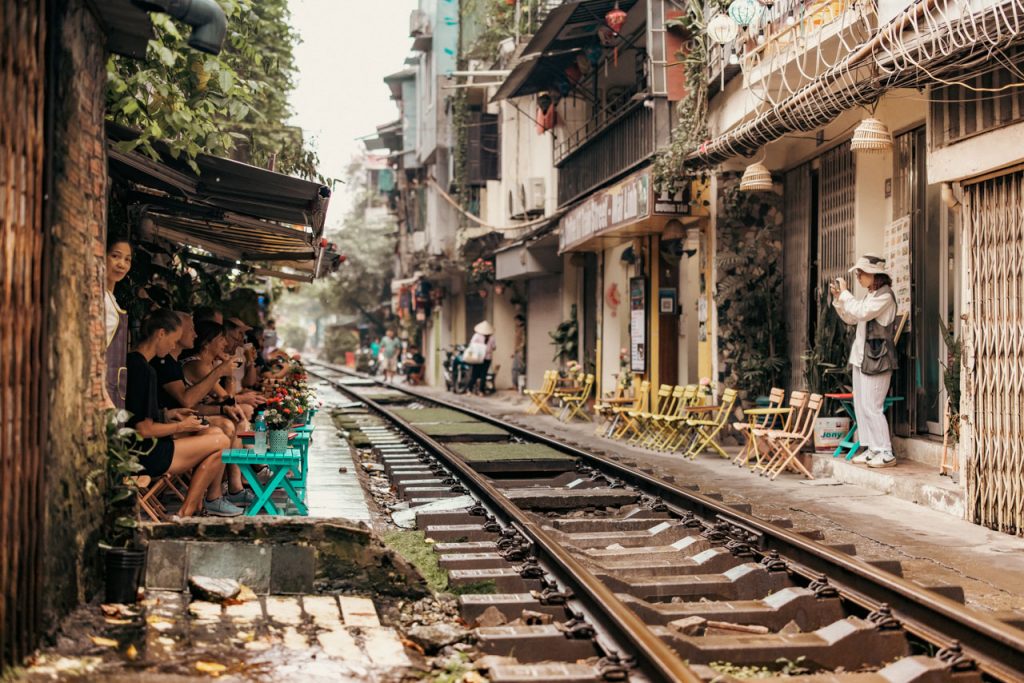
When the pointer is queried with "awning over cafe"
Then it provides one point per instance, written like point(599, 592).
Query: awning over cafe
point(565, 33)
point(232, 210)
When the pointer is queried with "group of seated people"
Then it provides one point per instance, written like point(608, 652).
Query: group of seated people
point(192, 386)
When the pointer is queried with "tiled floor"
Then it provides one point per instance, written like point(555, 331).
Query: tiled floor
point(333, 493)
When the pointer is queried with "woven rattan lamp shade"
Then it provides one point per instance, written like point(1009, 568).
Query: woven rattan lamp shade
point(756, 178)
point(871, 136)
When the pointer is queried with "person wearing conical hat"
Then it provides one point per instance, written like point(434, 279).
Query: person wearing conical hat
point(873, 355)
point(481, 347)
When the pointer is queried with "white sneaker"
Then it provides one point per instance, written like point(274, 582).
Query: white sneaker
point(864, 458)
point(884, 459)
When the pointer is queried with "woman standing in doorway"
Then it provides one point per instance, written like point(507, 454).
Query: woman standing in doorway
point(873, 356)
point(119, 262)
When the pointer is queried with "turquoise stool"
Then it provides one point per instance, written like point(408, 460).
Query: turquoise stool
point(848, 443)
point(280, 464)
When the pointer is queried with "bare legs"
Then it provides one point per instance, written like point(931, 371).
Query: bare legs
point(230, 429)
point(201, 452)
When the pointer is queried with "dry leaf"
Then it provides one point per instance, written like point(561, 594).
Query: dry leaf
point(111, 610)
point(212, 668)
point(412, 646)
point(104, 642)
point(131, 652)
point(118, 622)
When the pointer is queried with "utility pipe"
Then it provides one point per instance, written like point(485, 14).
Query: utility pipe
point(209, 25)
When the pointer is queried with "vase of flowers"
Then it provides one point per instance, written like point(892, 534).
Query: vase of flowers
point(278, 419)
point(481, 272)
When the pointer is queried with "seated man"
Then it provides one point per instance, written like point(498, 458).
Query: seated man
point(412, 365)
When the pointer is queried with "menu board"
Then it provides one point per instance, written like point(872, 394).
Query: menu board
point(897, 260)
point(637, 324)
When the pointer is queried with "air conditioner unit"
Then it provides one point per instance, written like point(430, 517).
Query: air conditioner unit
point(535, 195)
point(419, 24)
point(516, 203)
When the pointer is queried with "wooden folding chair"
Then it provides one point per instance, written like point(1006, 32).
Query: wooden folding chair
point(788, 445)
point(627, 415)
point(769, 417)
point(541, 397)
point(764, 451)
point(574, 405)
point(706, 431)
point(149, 495)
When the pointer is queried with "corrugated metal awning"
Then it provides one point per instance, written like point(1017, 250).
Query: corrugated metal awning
point(230, 209)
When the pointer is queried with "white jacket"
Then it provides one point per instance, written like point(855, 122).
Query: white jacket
point(877, 305)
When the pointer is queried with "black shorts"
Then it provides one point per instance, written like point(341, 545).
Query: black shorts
point(158, 460)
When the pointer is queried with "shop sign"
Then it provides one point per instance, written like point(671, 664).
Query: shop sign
point(628, 201)
point(625, 202)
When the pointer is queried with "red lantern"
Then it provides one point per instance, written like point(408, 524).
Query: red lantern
point(615, 20)
point(573, 73)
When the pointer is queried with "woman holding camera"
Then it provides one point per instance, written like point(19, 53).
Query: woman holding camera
point(873, 355)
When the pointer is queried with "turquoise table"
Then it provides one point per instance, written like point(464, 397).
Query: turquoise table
point(281, 464)
point(848, 443)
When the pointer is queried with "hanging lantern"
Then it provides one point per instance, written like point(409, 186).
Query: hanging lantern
point(756, 178)
point(722, 29)
point(871, 136)
point(573, 73)
point(544, 101)
point(744, 12)
point(615, 18)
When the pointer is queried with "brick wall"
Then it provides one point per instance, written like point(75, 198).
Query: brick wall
point(75, 336)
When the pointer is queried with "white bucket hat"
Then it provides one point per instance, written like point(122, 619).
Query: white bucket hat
point(870, 264)
point(484, 328)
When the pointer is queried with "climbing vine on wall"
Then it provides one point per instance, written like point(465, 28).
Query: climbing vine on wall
point(692, 127)
point(751, 329)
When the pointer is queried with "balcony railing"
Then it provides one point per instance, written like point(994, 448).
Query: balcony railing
point(588, 160)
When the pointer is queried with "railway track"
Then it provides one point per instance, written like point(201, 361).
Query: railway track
point(625, 576)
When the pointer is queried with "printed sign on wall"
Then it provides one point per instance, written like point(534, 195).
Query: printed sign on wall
point(637, 324)
point(897, 260)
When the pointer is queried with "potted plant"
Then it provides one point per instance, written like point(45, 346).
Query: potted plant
point(827, 372)
point(123, 559)
point(279, 418)
point(481, 272)
point(566, 338)
point(951, 381)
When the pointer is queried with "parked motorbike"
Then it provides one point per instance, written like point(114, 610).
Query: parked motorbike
point(455, 371)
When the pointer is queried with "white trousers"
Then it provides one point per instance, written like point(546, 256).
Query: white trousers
point(869, 392)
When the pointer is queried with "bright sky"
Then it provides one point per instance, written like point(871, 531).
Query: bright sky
point(347, 47)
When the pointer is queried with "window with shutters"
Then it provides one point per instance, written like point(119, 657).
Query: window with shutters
point(979, 104)
point(482, 161)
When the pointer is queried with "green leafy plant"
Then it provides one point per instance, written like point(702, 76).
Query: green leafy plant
point(752, 336)
point(124, 449)
point(951, 378)
point(566, 338)
point(825, 364)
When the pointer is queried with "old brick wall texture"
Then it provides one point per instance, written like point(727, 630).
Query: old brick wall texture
point(76, 340)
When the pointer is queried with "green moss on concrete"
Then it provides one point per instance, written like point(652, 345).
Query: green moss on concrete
point(490, 452)
point(462, 429)
point(428, 415)
point(487, 587)
point(414, 549)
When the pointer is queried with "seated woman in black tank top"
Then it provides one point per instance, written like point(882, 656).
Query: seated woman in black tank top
point(177, 441)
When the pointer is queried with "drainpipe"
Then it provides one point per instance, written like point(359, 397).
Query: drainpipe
point(209, 25)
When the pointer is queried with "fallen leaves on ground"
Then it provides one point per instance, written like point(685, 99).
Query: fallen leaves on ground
point(212, 668)
point(412, 646)
point(103, 642)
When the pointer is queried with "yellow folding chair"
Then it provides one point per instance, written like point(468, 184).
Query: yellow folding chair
point(643, 419)
point(680, 433)
point(659, 428)
point(628, 416)
point(604, 408)
point(541, 397)
point(574, 405)
point(769, 417)
point(620, 412)
point(789, 445)
point(706, 431)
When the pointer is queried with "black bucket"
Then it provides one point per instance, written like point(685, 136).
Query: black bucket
point(124, 567)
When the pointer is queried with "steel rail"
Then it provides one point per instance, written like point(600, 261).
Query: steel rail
point(995, 646)
point(656, 656)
